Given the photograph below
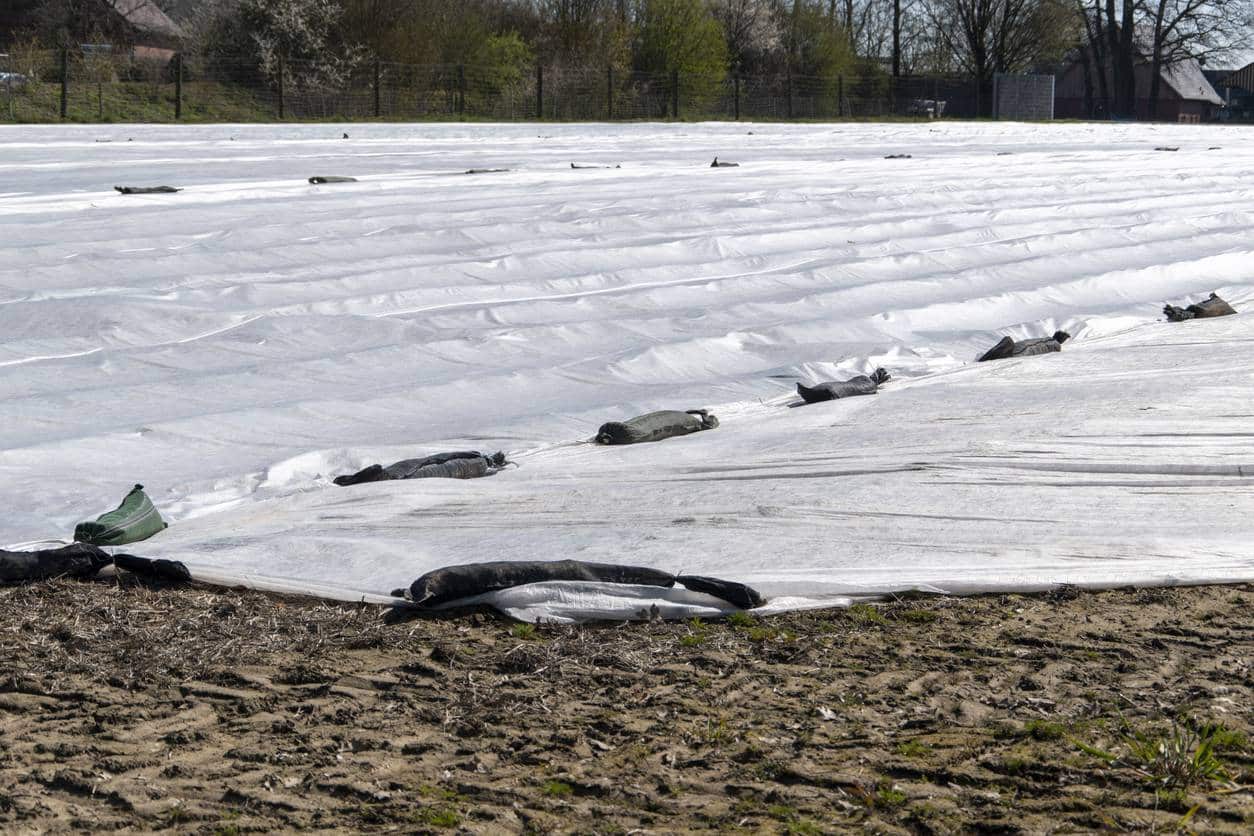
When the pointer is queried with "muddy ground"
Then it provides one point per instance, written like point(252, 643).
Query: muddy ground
point(133, 707)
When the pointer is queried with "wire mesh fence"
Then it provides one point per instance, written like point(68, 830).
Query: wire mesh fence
point(101, 84)
point(1023, 96)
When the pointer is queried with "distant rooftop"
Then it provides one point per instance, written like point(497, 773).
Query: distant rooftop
point(146, 17)
point(1186, 79)
point(1243, 78)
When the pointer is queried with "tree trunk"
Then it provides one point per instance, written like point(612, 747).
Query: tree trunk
point(1086, 66)
point(1120, 60)
point(1156, 67)
point(896, 39)
point(1101, 57)
point(1156, 63)
point(1127, 59)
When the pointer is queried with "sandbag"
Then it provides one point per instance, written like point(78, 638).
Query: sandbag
point(79, 560)
point(834, 390)
point(453, 582)
point(655, 426)
point(1008, 347)
point(147, 189)
point(1214, 306)
point(737, 594)
point(331, 178)
point(134, 520)
point(459, 465)
point(155, 569)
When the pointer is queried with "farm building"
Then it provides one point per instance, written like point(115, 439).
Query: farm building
point(136, 25)
point(1184, 94)
point(1236, 88)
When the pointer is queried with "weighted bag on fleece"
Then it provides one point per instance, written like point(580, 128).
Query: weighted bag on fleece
point(1025, 348)
point(147, 189)
point(656, 426)
point(453, 583)
point(79, 560)
point(1214, 306)
point(834, 390)
point(157, 569)
point(738, 594)
point(459, 465)
point(134, 520)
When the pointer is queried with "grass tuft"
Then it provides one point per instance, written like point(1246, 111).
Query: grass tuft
point(865, 614)
point(557, 789)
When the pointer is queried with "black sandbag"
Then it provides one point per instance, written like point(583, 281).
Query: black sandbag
point(469, 464)
point(836, 389)
point(331, 178)
point(1214, 306)
point(79, 560)
point(455, 582)
point(147, 189)
point(1008, 347)
point(156, 569)
point(1004, 348)
point(655, 426)
point(737, 594)
point(1040, 345)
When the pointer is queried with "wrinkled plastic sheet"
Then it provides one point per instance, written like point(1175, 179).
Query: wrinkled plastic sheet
point(237, 347)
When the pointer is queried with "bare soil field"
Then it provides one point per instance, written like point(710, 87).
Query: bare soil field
point(135, 707)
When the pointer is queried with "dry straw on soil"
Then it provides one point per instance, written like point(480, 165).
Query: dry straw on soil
point(131, 706)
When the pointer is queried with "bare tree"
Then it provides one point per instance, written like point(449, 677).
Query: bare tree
point(1092, 55)
point(750, 29)
point(1183, 30)
point(987, 37)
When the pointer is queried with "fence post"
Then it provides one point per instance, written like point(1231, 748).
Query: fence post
point(840, 95)
point(737, 98)
point(996, 98)
point(65, 82)
point(790, 92)
point(675, 94)
point(9, 85)
point(609, 94)
point(461, 91)
point(378, 84)
point(282, 84)
point(178, 85)
point(539, 91)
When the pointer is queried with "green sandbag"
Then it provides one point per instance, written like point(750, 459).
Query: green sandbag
point(134, 520)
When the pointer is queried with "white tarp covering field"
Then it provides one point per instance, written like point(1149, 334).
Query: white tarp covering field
point(236, 345)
